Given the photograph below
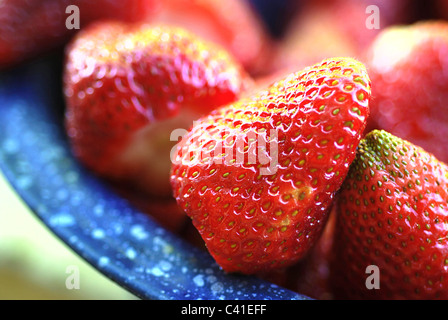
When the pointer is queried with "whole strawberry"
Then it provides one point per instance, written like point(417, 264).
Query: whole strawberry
point(408, 67)
point(31, 27)
point(258, 176)
point(127, 87)
point(392, 223)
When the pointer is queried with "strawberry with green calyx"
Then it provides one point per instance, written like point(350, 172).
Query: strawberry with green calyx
point(258, 176)
point(127, 87)
point(392, 220)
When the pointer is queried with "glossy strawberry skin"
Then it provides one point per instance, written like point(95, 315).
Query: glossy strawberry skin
point(252, 220)
point(31, 27)
point(407, 65)
point(393, 214)
point(128, 86)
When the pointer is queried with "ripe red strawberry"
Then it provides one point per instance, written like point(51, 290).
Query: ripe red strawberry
point(327, 28)
point(310, 276)
point(28, 28)
point(393, 214)
point(408, 67)
point(258, 177)
point(233, 24)
point(127, 87)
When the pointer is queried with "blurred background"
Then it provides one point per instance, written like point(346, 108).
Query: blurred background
point(33, 261)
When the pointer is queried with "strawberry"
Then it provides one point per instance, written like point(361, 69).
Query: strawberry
point(407, 65)
point(257, 177)
point(393, 214)
point(28, 28)
point(311, 276)
point(127, 87)
point(233, 24)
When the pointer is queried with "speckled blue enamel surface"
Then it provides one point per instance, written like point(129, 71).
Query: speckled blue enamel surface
point(122, 243)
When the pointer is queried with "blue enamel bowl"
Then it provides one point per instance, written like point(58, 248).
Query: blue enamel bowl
point(121, 242)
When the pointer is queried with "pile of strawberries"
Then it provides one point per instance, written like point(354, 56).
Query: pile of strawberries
point(315, 160)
